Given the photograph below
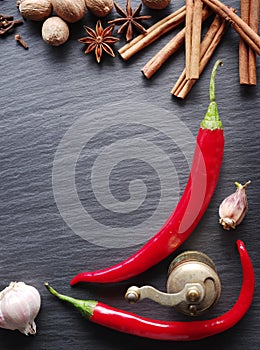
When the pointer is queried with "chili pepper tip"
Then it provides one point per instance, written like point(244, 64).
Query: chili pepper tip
point(240, 244)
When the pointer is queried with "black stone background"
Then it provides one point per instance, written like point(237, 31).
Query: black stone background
point(43, 92)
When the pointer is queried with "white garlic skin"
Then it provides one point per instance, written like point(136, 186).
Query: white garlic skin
point(233, 209)
point(19, 305)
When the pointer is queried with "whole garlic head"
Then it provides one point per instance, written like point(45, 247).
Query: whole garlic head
point(19, 305)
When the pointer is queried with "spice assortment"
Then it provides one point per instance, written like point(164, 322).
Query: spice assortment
point(198, 50)
point(195, 48)
point(153, 33)
point(207, 159)
point(72, 11)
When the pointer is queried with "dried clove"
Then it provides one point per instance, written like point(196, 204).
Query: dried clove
point(7, 23)
point(20, 40)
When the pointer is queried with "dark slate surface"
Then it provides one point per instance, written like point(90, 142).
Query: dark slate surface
point(60, 111)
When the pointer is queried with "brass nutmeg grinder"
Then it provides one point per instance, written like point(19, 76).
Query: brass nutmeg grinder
point(193, 285)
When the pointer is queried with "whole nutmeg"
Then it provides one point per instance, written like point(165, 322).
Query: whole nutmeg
point(69, 10)
point(100, 8)
point(35, 10)
point(156, 4)
point(55, 31)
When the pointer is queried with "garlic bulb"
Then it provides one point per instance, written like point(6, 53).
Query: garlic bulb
point(19, 305)
point(233, 209)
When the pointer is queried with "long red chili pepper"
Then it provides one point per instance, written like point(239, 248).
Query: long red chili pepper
point(201, 184)
point(130, 323)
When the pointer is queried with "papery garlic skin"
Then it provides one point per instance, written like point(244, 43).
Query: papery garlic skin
point(19, 305)
point(234, 208)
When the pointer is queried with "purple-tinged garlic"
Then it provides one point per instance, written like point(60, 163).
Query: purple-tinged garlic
point(234, 208)
point(19, 305)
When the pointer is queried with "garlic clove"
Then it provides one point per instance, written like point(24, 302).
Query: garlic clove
point(19, 305)
point(233, 208)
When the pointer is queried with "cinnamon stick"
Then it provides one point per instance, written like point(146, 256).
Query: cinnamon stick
point(188, 34)
point(196, 38)
point(193, 37)
point(253, 23)
point(247, 57)
point(207, 47)
point(168, 50)
point(153, 33)
point(243, 47)
point(243, 29)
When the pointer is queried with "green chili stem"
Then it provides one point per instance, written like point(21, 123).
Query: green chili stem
point(212, 95)
point(212, 119)
point(85, 307)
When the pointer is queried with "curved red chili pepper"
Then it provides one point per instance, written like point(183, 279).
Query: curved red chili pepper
point(201, 184)
point(130, 323)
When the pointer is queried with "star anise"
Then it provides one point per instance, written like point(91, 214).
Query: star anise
point(99, 40)
point(129, 20)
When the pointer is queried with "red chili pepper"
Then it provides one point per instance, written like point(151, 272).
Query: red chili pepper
point(201, 184)
point(130, 323)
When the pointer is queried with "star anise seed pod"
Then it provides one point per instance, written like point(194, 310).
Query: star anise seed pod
point(99, 40)
point(130, 19)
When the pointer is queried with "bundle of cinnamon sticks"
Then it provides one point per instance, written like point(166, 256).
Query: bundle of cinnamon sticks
point(197, 51)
